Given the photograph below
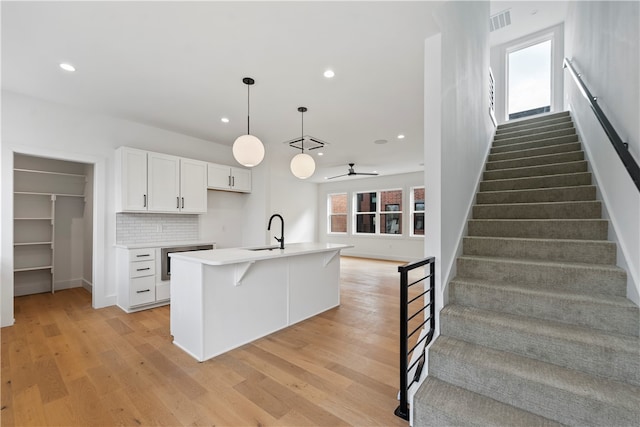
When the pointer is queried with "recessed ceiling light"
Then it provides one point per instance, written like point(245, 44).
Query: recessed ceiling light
point(224, 120)
point(329, 74)
point(401, 136)
point(67, 67)
point(320, 153)
point(380, 141)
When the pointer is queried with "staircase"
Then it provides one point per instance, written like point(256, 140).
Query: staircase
point(538, 330)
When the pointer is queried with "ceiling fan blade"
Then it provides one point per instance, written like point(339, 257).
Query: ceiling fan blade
point(364, 173)
point(338, 176)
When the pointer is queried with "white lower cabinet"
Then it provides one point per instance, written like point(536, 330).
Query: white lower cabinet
point(139, 285)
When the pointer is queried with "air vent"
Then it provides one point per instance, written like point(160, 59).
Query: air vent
point(499, 20)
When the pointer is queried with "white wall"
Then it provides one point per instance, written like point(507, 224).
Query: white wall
point(458, 128)
point(499, 67)
point(42, 128)
point(602, 38)
point(392, 247)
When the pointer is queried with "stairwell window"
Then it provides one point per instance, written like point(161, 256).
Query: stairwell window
point(337, 208)
point(417, 211)
point(378, 212)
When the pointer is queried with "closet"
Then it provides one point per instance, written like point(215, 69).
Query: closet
point(52, 235)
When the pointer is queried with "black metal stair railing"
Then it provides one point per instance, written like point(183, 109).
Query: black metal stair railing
point(422, 339)
point(621, 147)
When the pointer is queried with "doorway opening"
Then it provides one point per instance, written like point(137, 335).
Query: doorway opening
point(529, 80)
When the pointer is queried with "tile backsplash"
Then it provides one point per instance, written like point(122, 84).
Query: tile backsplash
point(134, 228)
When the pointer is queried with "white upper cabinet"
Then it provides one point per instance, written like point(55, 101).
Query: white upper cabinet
point(223, 177)
point(163, 182)
point(155, 182)
point(131, 180)
point(193, 186)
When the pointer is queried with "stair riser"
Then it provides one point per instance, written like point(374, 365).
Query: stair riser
point(551, 149)
point(534, 122)
point(534, 137)
point(550, 181)
point(536, 397)
point(534, 144)
point(555, 169)
point(540, 229)
point(585, 193)
point(560, 210)
point(549, 127)
point(617, 363)
point(536, 161)
point(591, 252)
point(566, 309)
point(566, 278)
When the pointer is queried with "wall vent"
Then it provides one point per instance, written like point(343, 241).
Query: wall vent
point(499, 20)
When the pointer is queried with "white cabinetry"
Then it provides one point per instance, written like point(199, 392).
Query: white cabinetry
point(229, 178)
point(155, 182)
point(137, 279)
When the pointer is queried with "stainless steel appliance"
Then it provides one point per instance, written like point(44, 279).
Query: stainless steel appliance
point(166, 259)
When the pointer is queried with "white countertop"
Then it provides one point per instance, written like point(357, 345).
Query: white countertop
point(163, 244)
point(240, 255)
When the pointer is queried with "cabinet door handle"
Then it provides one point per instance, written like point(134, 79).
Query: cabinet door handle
point(143, 269)
point(233, 181)
point(183, 203)
point(141, 255)
point(229, 179)
point(178, 202)
point(141, 292)
point(144, 203)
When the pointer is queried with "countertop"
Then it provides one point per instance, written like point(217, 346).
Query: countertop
point(241, 255)
point(164, 244)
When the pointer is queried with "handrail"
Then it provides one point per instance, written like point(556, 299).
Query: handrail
point(423, 340)
point(621, 147)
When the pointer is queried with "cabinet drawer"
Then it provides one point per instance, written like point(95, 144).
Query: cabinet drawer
point(142, 268)
point(142, 254)
point(142, 290)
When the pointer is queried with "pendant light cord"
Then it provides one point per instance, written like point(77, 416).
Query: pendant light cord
point(302, 134)
point(248, 106)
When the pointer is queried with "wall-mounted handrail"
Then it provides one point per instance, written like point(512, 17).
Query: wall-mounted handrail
point(425, 334)
point(621, 148)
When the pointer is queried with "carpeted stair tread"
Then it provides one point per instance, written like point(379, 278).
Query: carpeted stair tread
point(527, 145)
point(535, 121)
point(569, 277)
point(609, 313)
point(540, 151)
point(534, 135)
point(533, 171)
point(543, 127)
point(571, 396)
point(589, 209)
point(575, 347)
point(562, 250)
point(447, 405)
point(537, 182)
point(537, 195)
point(571, 156)
point(582, 229)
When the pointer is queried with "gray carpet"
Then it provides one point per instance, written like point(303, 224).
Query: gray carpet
point(538, 331)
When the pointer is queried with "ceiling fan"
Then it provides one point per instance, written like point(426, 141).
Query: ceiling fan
point(353, 172)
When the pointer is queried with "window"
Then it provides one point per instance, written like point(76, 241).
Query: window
point(417, 211)
point(369, 213)
point(338, 213)
point(529, 80)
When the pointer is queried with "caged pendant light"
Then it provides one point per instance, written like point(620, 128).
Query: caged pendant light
point(248, 149)
point(302, 164)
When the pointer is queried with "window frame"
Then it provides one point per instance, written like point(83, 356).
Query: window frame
point(413, 211)
point(330, 214)
point(378, 213)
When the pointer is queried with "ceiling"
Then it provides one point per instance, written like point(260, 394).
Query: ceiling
point(179, 66)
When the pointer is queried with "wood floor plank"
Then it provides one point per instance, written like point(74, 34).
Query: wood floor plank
point(64, 363)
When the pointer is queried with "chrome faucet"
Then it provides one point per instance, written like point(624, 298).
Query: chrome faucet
point(281, 239)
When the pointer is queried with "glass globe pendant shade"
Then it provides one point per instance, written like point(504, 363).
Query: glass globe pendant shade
point(303, 165)
point(248, 150)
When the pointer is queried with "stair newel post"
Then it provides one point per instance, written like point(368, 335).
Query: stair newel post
point(402, 410)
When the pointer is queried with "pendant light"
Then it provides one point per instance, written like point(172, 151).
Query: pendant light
point(247, 149)
point(302, 165)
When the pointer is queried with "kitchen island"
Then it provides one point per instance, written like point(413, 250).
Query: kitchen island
point(224, 298)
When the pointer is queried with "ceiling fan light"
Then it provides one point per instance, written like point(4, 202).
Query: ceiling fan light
point(248, 150)
point(302, 166)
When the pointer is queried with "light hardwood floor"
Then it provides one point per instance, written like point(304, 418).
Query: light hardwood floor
point(66, 364)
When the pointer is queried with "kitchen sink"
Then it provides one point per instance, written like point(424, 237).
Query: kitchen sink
point(264, 248)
